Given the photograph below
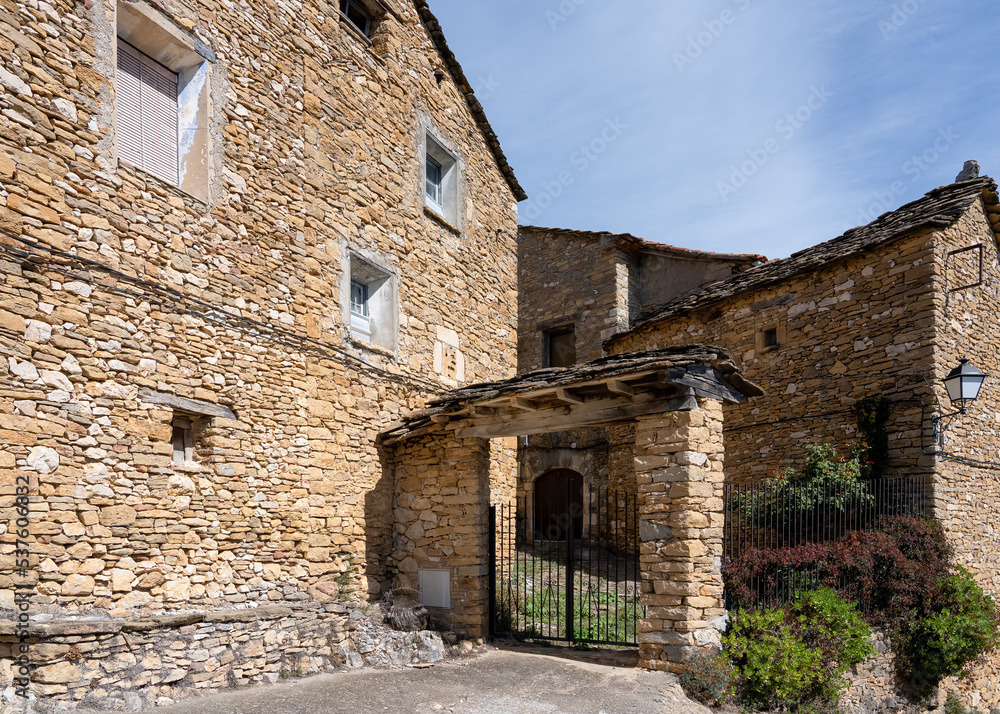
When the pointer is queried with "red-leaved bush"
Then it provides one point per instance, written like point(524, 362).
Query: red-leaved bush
point(889, 572)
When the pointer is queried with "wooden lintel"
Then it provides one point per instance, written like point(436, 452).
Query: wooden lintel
point(569, 396)
point(540, 421)
point(616, 386)
point(183, 404)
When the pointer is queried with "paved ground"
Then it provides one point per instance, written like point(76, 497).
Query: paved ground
point(497, 682)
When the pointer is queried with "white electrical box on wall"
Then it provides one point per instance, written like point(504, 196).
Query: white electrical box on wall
point(435, 588)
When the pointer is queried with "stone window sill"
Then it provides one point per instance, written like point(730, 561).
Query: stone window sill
point(368, 346)
point(441, 219)
point(190, 467)
point(360, 37)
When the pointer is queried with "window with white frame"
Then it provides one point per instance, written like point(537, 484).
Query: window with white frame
point(370, 301)
point(162, 98)
point(360, 316)
point(441, 181)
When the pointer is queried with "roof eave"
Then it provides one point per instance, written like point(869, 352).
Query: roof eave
point(458, 75)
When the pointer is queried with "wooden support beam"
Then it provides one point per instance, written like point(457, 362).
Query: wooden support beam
point(441, 418)
point(596, 413)
point(616, 386)
point(569, 396)
point(522, 404)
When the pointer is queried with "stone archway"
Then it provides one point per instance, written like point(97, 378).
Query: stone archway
point(558, 504)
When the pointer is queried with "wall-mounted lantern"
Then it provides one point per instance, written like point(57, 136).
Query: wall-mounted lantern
point(963, 384)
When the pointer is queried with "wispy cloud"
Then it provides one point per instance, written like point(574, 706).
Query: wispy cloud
point(689, 125)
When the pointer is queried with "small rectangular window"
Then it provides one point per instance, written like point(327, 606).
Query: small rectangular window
point(183, 440)
point(434, 179)
point(771, 337)
point(358, 16)
point(560, 347)
point(360, 316)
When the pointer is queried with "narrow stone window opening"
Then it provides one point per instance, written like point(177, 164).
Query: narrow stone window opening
point(359, 16)
point(771, 338)
point(182, 436)
point(560, 347)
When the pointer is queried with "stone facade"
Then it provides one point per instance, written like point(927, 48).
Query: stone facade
point(131, 286)
point(874, 323)
point(181, 385)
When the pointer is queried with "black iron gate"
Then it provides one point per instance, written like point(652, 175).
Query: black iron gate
point(566, 574)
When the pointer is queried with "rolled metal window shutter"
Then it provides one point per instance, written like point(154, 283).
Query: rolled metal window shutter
point(147, 114)
point(128, 85)
point(159, 120)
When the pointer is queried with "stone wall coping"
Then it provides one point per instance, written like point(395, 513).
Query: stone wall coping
point(69, 628)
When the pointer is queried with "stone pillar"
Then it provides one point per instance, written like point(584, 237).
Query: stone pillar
point(680, 478)
point(441, 512)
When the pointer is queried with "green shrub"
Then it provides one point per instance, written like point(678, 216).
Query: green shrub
point(961, 626)
point(798, 655)
point(775, 667)
point(954, 705)
point(826, 484)
point(707, 677)
point(834, 626)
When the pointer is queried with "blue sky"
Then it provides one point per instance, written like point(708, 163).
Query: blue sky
point(731, 125)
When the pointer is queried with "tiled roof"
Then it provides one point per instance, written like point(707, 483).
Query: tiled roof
point(434, 29)
point(940, 208)
point(647, 246)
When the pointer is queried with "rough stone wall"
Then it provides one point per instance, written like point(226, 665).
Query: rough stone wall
point(680, 479)
point(563, 280)
point(442, 522)
point(128, 664)
point(315, 153)
point(859, 328)
point(967, 476)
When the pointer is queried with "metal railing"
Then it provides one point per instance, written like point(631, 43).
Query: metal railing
point(778, 515)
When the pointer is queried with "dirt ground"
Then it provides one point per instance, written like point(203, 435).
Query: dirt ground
point(494, 682)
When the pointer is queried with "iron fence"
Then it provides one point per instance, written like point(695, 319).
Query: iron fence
point(572, 576)
point(777, 515)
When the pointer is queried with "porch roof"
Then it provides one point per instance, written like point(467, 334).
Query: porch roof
point(610, 390)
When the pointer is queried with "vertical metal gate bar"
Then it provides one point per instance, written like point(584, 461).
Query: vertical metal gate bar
point(569, 562)
point(493, 571)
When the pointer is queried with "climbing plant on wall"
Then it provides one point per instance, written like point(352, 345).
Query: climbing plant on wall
point(872, 414)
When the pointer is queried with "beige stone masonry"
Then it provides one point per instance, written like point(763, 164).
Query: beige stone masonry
point(680, 478)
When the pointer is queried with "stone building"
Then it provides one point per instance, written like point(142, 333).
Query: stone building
point(240, 240)
point(578, 289)
point(886, 310)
